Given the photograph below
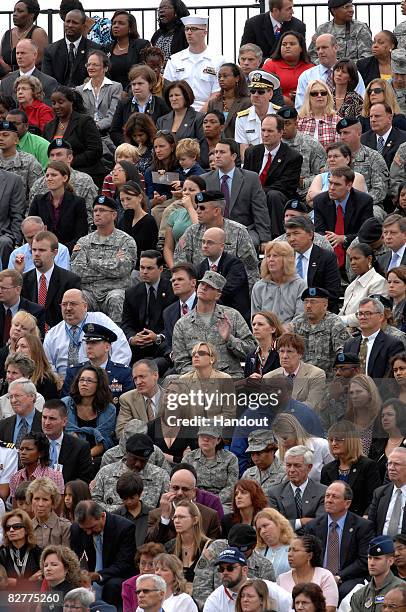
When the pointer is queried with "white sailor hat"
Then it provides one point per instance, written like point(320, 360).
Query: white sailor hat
point(195, 20)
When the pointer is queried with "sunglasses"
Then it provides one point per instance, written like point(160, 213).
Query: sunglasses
point(14, 527)
point(200, 207)
point(201, 354)
point(260, 92)
point(139, 591)
point(376, 90)
point(224, 568)
point(315, 94)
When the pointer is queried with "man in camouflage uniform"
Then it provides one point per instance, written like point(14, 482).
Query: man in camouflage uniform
point(105, 259)
point(82, 184)
point(366, 161)
point(268, 470)
point(240, 536)
point(313, 153)
point(353, 37)
point(224, 327)
point(18, 162)
point(400, 29)
point(370, 233)
point(323, 332)
point(296, 208)
point(139, 448)
point(334, 404)
point(238, 241)
point(398, 64)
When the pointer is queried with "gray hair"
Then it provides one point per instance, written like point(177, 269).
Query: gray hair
point(24, 363)
point(158, 581)
point(369, 300)
point(301, 451)
point(253, 48)
point(33, 219)
point(28, 387)
point(81, 595)
point(150, 363)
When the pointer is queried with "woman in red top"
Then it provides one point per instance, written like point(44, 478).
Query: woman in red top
point(29, 94)
point(288, 62)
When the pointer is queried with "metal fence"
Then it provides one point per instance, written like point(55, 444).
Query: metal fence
point(227, 22)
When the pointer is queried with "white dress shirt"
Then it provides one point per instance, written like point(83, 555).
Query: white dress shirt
point(75, 42)
point(390, 509)
point(302, 488)
point(384, 136)
point(154, 401)
point(370, 344)
point(47, 274)
point(268, 152)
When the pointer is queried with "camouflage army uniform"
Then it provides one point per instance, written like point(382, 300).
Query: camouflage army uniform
point(314, 159)
point(238, 243)
point(401, 99)
point(155, 480)
point(100, 270)
point(369, 598)
point(377, 253)
point(333, 407)
point(400, 33)
point(398, 172)
point(354, 40)
point(192, 328)
point(218, 476)
point(318, 239)
point(26, 166)
point(322, 341)
point(268, 478)
point(373, 168)
point(395, 333)
point(207, 579)
point(82, 185)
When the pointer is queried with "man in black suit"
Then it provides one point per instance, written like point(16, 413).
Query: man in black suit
point(236, 291)
point(245, 200)
point(394, 238)
point(300, 499)
point(279, 167)
point(22, 394)
point(143, 309)
point(317, 266)
point(382, 137)
point(47, 283)
point(374, 347)
point(184, 280)
point(107, 542)
point(343, 529)
point(340, 211)
point(68, 453)
point(65, 60)
point(11, 283)
point(385, 511)
point(265, 29)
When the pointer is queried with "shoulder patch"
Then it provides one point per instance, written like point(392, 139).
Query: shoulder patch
point(243, 113)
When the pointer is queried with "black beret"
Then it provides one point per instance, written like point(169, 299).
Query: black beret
point(296, 205)
point(337, 3)
point(59, 143)
point(287, 112)
point(346, 122)
point(140, 445)
point(346, 359)
point(209, 196)
point(96, 332)
point(385, 301)
point(105, 201)
point(370, 231)
point(315, 292)
point(8, 126)
point(242, 536)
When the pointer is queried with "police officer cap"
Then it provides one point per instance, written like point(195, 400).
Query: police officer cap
point(315, 292)
point(96, 333)
point(231, 555)
point(140, 445)
point(287, 112)
point(7, 126)
point(214, 279)
point(398, 61)
point(381, 545)
point(259, 79)
point(242, 536)
point(370, 231)
point(259, 440)
point(105, 201)
point(337, 3)
point(209, 196)
point(209, 430)
point(346, 122)
point(386, 302)
point(346, 359)
point(59, 143)
point(195, 20)
point(296, 205)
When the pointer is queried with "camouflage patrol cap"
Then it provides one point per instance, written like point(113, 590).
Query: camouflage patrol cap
point(259, 440)
point(214, 279)
point(209, 430)
point(398, 61)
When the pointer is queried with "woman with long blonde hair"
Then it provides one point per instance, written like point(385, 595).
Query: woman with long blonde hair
point(274, 534)
point(317, 117)
point(169, 567)
point(43, 376)
point(280, 288)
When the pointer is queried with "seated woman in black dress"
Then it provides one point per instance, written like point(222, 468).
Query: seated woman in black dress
point(126, 47)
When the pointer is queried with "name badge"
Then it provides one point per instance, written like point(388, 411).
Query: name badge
point(379, 599)
point(250, 131)
point(209, 70)
point(180, 70)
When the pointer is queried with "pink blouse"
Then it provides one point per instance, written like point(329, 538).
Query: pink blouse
point(323, 577)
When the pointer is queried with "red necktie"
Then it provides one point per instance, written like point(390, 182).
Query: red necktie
point(42, 291)
point(213, 267)
point(264, 173)
point(339, 230)
point(7, 325)
point(184, 309)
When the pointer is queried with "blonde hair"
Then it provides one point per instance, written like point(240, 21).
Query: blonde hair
point(198, 535)
point(389, 97)
point(210, 347)
point(286, 532)
point(188, 147)
point(33, 82)
point(306, 109)
point(46, 486)
point(288, 425)
point(68, 559)
point(27, 319)
point(127, 149)
point(375, 402)
point(352, 440)
point(172, 563)
point(280, 247)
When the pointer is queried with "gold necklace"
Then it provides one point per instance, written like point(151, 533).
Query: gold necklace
point(122, 48)
point(19, 37)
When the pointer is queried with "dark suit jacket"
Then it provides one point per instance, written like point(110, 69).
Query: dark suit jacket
point(48, 84)
point(247, 201)
point(282, 499)
point(323, 272)
point(272, 363)
point(191, 126)
point(61, 280)
point(72, 223)
point(35, 309)
point(55, 61)
point(259, 30)
point(363, 479)
point(76, 459)
point(155, 109)
point(85, 140)
point(284, 173)
point(236, 291)
point(7, 426)
point(158, 532)
point(357, 534)
point(118, 547)
point(383, 349)
point(384, 261)
point(359, 208)
point(395, 139)
point(379, 508)
point(171, 314)
point(368, 67)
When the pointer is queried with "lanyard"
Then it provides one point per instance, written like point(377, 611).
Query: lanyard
point(70, 335)
point(19, 565)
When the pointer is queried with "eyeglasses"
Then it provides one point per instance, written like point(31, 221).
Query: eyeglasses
point(161, 133)
point(14, 527)
point(90, 381)
point(376, 90)
point(315, 94)
point(70, 304)
point(139, 591)
point(176, 489)
point(200, 207)
point(260, 92)
point(7, 288)
point(194, 29)
point(366, 314)
point(201, 354)
point(228, 568)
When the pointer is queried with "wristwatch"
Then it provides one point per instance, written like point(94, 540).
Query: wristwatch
point(159, 339)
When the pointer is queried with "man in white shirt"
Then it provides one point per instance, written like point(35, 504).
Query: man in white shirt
point(387, 509)
point(198, 65)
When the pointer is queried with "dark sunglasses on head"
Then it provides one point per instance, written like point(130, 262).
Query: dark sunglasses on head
point(315, 94)
point(224, 568)
point(261, 92)
point(376, 90)
point(14, 527)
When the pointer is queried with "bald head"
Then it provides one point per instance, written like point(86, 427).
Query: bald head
point(183, 485)
point(31, 226)
point(213, 243)
point(27, 54)
point(326, 47)
point(74, 307)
